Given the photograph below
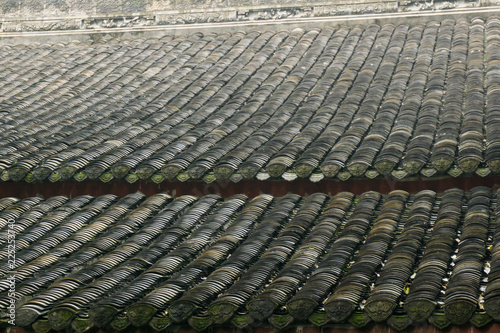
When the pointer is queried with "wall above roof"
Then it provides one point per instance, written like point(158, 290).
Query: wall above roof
point(56, 15)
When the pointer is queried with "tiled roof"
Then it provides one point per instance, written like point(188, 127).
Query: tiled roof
point(361, 101)
point(114, 262)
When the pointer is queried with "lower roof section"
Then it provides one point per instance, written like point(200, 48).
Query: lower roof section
point(396, 260)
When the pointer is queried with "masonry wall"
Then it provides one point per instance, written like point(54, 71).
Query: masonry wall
point(47, 8)
point(72, 7)
point(60, 15)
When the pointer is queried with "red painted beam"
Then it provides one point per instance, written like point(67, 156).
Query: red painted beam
point(491, 328)
point(250, 187)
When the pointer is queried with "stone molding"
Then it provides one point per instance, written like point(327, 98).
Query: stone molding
point(62, 15)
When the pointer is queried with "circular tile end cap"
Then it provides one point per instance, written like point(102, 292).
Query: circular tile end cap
point(261, 309)
point(120, 171)
point(357, 169)
point(494, 165)
point(469, 165)
point(380, 310)
point(120, 323)
point(339, 310)
point(170, 172)
point(102, 315)
point(17, 173)
point(200, 323)
point(442, 164)
point(330, 170)
point(160, 323)
point(303, 170)
point(460, 311)
point(41, 326)
point(81, 325)
point(301, 308)
point(181, 310)
point(140, 314)
point(492, 307)
point(276, 169)
point(385, 167)
point(222, 312)
point(223, 173)
point(399, 322)
point(281, 321)
point(60, 318)
point(242, 321)
point(419, 310)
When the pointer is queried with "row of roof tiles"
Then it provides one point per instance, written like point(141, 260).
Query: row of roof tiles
point(364, 101)
point(108, 261)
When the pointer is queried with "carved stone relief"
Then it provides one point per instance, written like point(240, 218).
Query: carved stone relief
point(92, 14)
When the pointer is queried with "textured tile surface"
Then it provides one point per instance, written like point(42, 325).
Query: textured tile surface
point(398, 258)
point(361, 102)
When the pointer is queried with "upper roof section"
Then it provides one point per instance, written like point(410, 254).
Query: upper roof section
point(362, 101)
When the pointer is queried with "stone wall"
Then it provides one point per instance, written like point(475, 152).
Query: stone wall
point(51, 8)
point(50, 15)
point(47, 8)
